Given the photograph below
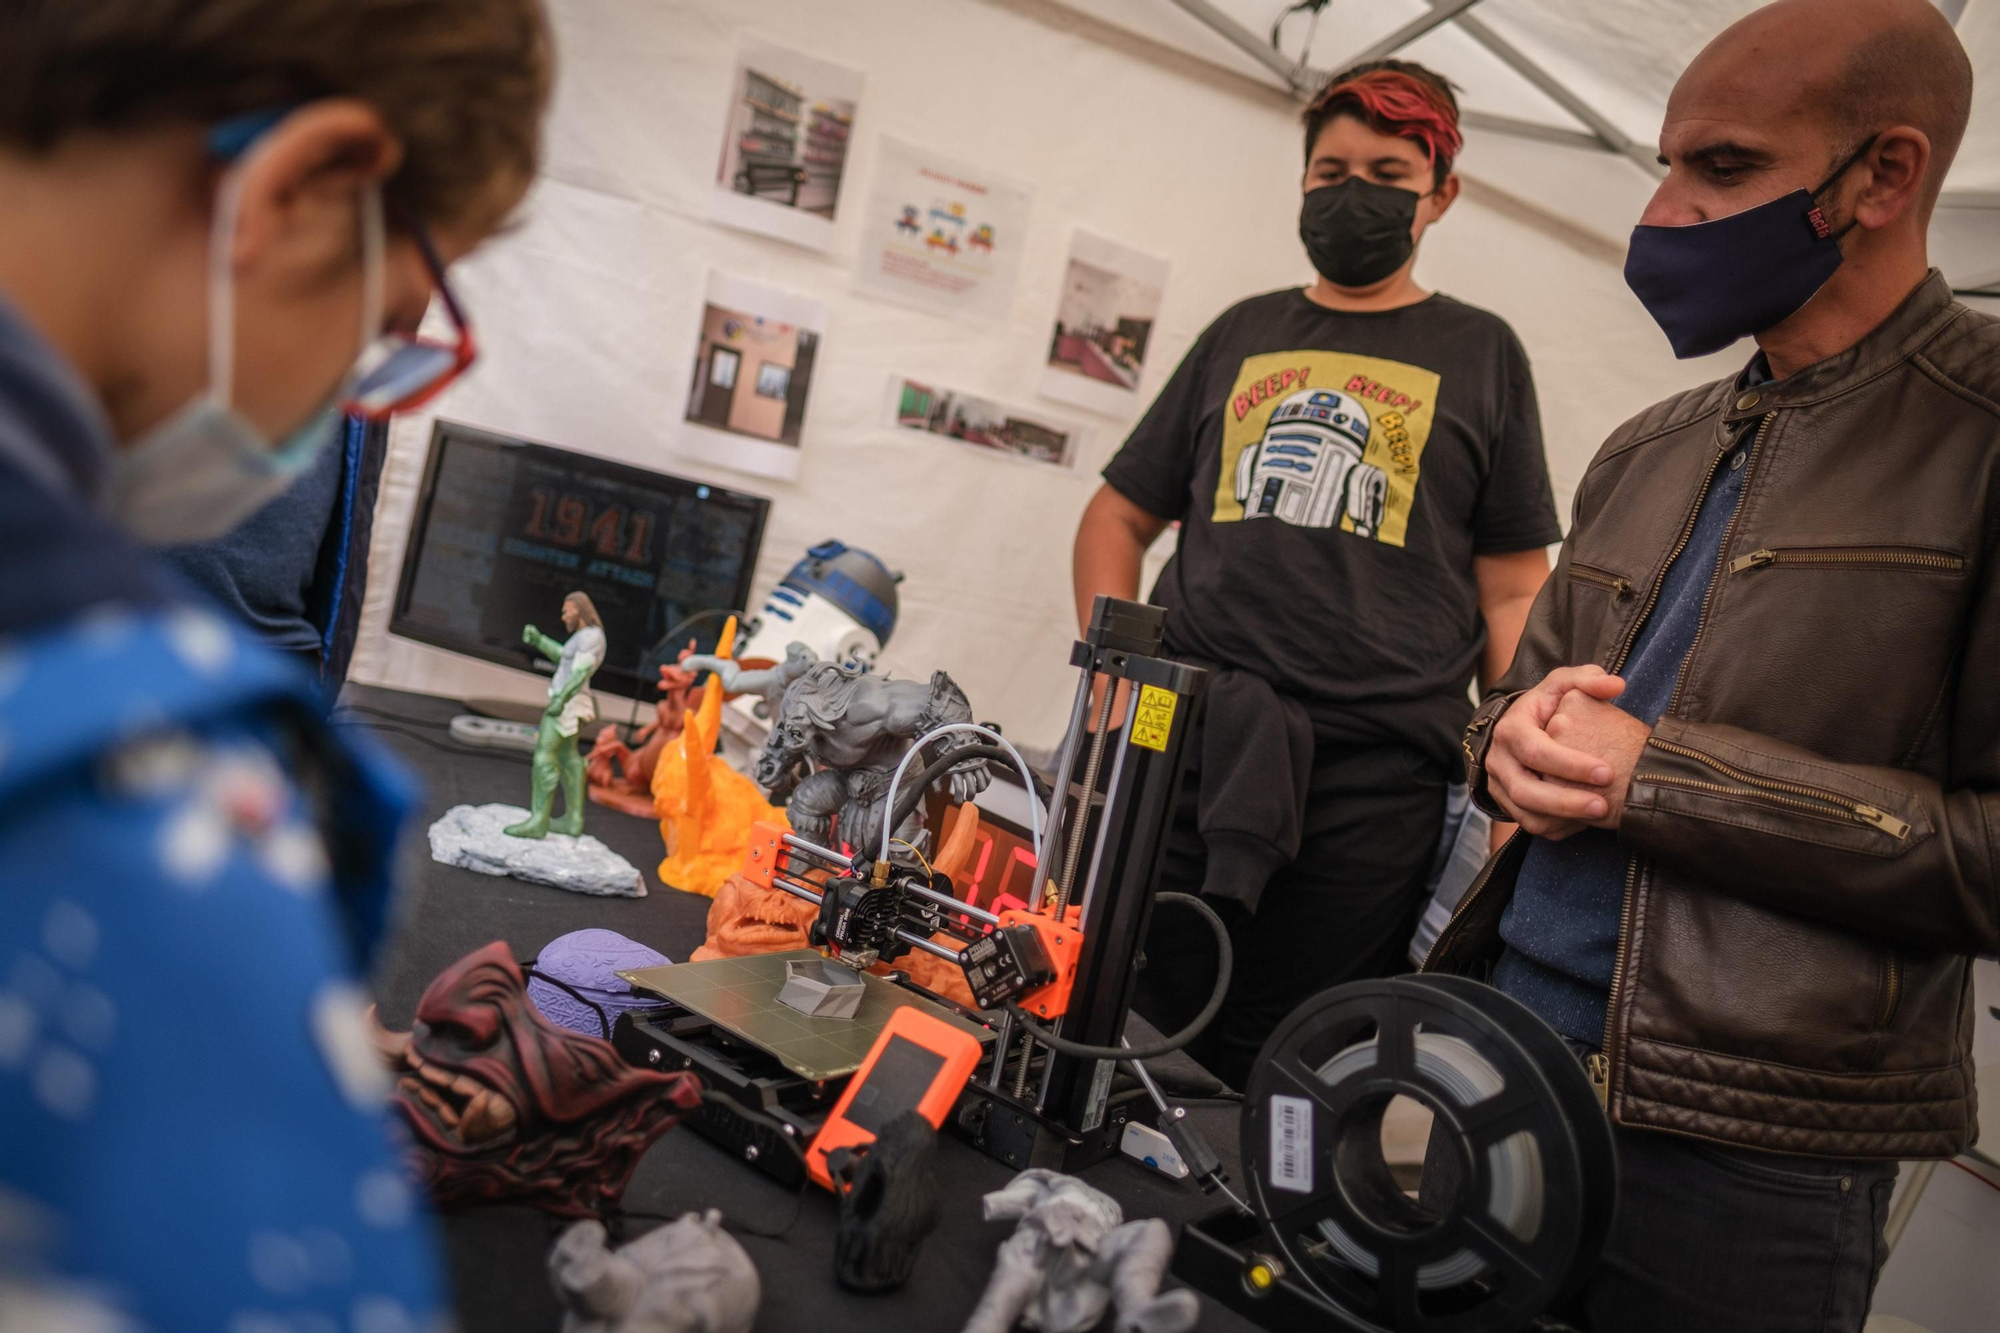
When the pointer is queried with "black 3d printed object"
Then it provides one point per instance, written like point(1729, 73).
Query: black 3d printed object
point(888, 1204)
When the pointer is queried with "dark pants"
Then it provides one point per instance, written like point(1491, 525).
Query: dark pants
point(1343, 910)
point(1730, 1240)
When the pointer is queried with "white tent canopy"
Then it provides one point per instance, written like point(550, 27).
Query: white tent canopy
point(1584, 80)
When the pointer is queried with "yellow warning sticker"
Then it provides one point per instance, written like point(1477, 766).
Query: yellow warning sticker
point(1155, 717)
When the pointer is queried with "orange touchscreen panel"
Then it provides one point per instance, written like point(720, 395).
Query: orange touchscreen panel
point(919, 1063)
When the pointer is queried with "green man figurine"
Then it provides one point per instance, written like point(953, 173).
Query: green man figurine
point(570, 706)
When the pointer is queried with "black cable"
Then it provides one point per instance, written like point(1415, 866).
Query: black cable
point(632, 720)
point(440, 723)
point(907, 803)
point(449, 747)
point(1278, 28)
point(709, 1094)
point(1225, 964)
point(421, 739)
point(798, 1207)
point(527, 966)
point(780, 1232)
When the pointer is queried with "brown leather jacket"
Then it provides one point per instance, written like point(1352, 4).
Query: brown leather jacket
point(1814, 825)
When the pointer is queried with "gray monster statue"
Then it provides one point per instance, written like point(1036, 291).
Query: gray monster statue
point(689, 1276)
point(1072, 1257)
point(835, 741)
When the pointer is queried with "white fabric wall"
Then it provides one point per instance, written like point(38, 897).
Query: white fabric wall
point(587, 314)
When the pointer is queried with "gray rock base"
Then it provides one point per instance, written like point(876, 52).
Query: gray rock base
point(470, 836)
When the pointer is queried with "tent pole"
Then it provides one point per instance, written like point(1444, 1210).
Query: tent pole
point(1442, 12)
point(1528, 129)
point(1608, 134)
point(1248, 42)
point(1969, 199)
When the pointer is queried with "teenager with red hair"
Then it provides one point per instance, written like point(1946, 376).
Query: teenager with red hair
point(1357, 469)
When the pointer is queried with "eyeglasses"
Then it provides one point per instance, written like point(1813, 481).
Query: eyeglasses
point(403, 371)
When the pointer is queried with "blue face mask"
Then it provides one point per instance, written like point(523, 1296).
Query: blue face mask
point(1711, 283)
point(206, 468)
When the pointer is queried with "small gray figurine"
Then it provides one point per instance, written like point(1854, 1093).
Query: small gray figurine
point(689, 1276)
point(1072, 1256)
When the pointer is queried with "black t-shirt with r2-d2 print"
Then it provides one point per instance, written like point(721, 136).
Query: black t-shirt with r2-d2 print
point(1334, 474)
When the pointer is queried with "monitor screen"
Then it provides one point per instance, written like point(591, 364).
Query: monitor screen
point(505, 528)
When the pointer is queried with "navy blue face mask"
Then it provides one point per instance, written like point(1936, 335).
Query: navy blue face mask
point(1710, 283)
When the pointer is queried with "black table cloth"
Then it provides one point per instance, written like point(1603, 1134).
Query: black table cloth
point(498, 1255)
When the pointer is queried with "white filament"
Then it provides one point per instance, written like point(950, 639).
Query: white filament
point(1027, 776)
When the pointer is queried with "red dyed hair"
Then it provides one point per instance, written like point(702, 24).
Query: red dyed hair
point(1397, 97)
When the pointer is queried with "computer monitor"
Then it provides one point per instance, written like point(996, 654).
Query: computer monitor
point(505, 527)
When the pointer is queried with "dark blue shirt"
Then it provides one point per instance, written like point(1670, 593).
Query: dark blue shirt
point(262, 570)
point(51, 427)
point(1561, 929)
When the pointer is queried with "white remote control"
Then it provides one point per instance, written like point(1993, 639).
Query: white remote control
point(490, 733)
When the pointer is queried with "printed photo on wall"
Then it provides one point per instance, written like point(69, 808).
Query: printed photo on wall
point(940, 233)
point(1104, 325)
point(785, 147)
point(753, 366)
point(982, 423)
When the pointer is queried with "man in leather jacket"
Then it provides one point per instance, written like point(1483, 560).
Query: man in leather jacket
point(1750, 733)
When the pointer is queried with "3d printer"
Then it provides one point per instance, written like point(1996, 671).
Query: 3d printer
point(1052, 982)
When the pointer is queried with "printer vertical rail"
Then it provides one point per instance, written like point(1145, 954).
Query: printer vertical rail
point(1125, 842)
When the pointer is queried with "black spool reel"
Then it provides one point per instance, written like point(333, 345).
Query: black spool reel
point(1535, 1168)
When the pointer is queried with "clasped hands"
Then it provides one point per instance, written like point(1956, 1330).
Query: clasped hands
point(1562, 755)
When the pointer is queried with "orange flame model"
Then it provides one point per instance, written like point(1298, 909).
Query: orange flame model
point(706, 807)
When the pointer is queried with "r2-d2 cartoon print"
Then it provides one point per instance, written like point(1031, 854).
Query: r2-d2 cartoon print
point(1307, 470)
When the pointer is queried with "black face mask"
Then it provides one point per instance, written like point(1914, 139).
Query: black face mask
point(1709, 284)
point(1357, 232)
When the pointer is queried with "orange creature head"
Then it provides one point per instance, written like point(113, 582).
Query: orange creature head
point(745, 919)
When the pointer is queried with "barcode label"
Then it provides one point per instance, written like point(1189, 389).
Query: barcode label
point(1291, 1144)
point(1100, 1096)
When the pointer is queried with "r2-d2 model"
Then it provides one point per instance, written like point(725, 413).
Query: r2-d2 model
point(1307, 470)
point(839, 601)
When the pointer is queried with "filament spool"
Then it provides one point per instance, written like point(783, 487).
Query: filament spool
point(1527, 1189)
